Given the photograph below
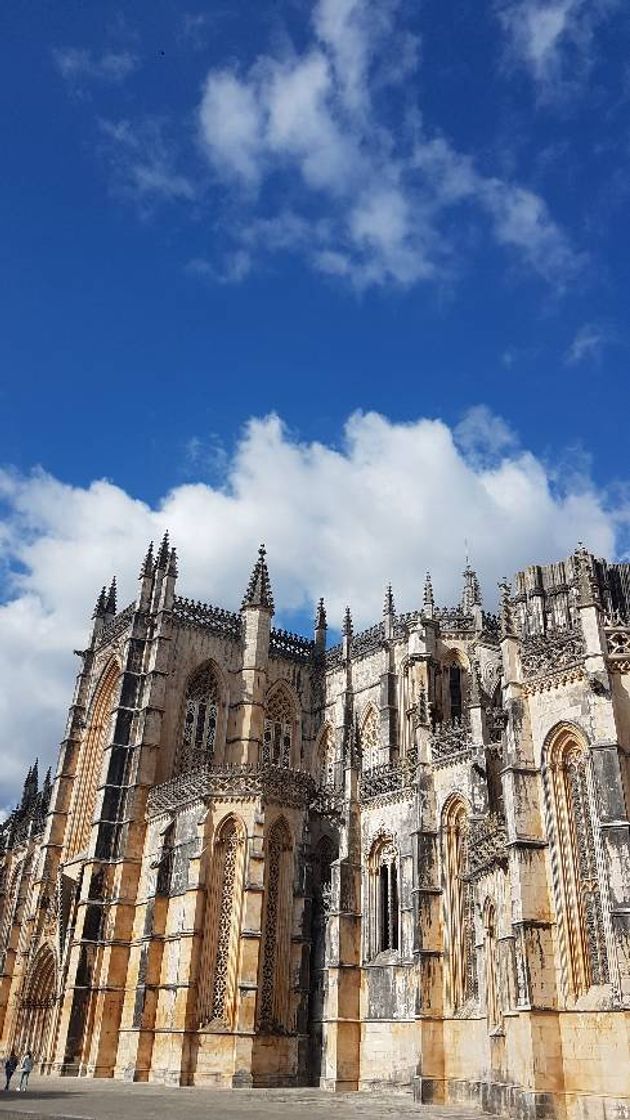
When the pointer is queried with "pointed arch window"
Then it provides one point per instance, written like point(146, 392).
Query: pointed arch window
point(370, 739)
point(220, 947)
point(200, 718)
point(90, 762)
point(279, 728)
point(458, 906)
point(578, 895)
point(455, 692)
point(326, 757)
point(274, 994)
point(383, 900)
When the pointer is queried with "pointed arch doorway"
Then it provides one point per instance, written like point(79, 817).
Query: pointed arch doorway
point(35, 1020)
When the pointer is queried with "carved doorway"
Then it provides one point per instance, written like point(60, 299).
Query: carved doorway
point(35, 1018)
point(324, 855)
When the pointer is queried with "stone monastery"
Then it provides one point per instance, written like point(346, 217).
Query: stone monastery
point(402, 860)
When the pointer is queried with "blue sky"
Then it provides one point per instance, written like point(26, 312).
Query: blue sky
point(401, 229)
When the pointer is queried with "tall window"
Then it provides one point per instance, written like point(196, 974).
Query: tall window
point(578, 894)
point(164, 879)
point(326, 757)
point(370, 739)
point(458, 905)
point(199, 725)
point(455, 692)
point(220, 947)
point(274, 994)
point(279, 724)
point(493, 1007)
point(384, 910)
point(90, 762)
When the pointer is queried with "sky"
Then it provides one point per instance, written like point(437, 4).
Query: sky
point(345, 276)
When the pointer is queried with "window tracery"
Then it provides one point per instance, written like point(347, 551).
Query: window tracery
point(200, 718)
point(370, 739)
point(90, 762)
point(279, 723)
point(219, 956)
point(578, 894)
point(326, 757)
point(273, 1008)
point(383, 898)
point(459, 906)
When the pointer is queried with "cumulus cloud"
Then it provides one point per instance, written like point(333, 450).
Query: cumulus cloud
point(553, 39)
point(78, 65)
point(370, 201)
point(392, 500)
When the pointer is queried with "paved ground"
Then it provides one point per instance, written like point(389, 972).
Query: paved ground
point(85, 1099)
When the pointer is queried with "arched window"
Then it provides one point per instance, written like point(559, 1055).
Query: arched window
point(274, 998)
point(493, 1005)
point(458, 905)
point(164, 880)
point(200, 718)
point(90, 762)
point(325, 764)
point(455, 692)
point(578, 897)
point(370, 739)
point(219, 953)
point(383, 901)
point(36, 1006)
point(279, 725)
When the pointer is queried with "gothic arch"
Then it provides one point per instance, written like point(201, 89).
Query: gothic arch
point(219, 961)
point(573, 834)
point(383, 891)
point(274, 995)
point(91, 760)
point(201, 716)
point(33, 1028)
point(369, 737)
point(325, 755)
point(458, 903)
point(281, 732)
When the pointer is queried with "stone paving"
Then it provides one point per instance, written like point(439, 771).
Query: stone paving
point(86, 1099)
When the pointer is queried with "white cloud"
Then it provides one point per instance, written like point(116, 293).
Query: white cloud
point(142, 160)
point(553, 39)
point(77, 65)
point(391, 501)
point(383, 194)
point(587, 345)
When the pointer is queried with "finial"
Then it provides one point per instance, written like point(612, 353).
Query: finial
point(427, 597)
point(111, 598)
point(320, 616)
point(101, 604)
point(163, 553)
point(505, 609)
point(389, 607)
point(347, 624)
point(147, 563)
point(258, 592)
point(471, 596)
point(172, 564)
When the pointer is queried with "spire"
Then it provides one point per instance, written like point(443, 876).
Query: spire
point(346, 629)
point(31, 783)
point(505, 610)
point(147, 563)
point(258, 592)
point(46, 790)
point(471, 596)
point(100, 610)
point(163, 553)
point(172, 564)
point(428, 601)
point(320, 617)
point(110, 607)
point(389, 606)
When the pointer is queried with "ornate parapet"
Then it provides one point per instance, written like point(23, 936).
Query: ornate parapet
point(487, 847)
point(192, 613)
point(269, 784)
point(617, 631)
point(553, 654)
point(390, 779)
point(450, 742)
point(290, 646)
point(116, 627)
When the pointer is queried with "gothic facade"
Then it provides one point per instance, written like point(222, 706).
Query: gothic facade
point(400, 860)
